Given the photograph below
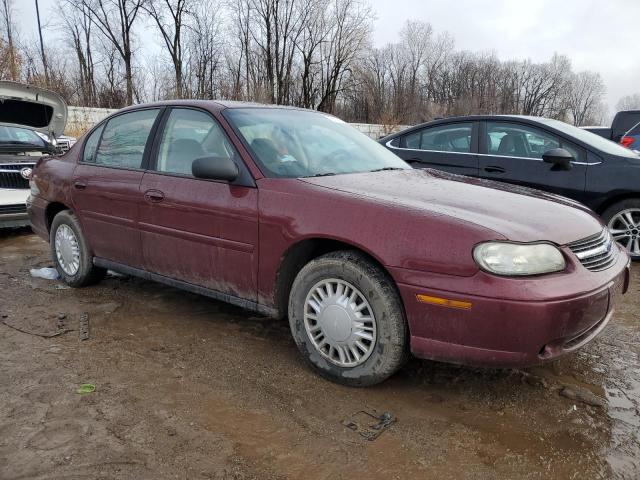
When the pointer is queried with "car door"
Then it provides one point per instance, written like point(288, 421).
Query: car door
point(106, 195)
point(202, 232)
point(451, 147)
point(512, 152)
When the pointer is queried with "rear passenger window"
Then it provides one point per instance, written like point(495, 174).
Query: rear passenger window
point(124, 139)
point(89, 154)
point(454, 138)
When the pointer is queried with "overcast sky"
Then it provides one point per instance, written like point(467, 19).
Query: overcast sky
point(596, 35)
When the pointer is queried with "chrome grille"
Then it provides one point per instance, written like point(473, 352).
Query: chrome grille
point(13, 209)
point(10, 175)
point(597, 252)
point(63, 144)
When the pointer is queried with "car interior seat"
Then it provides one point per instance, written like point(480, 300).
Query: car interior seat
point(441, 142)
point(512, 144)
point(267, 152)
point(182, 152)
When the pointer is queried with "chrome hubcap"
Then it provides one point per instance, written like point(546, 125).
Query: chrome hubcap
point(340, 322)
point(625, 229)
point(67, 250)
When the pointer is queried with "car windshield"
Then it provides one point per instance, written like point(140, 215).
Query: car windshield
point(596, 141)
point(20, 136)
point(298, 143)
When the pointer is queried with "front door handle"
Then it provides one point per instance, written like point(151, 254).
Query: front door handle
point(494, 169)
point(154, 196)
point(80, 185)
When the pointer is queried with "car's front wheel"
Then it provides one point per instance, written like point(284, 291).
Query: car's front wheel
point(70, 251)
point(623, 220)
point(347, 320)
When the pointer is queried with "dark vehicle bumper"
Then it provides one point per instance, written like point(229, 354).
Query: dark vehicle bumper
point(516, 331)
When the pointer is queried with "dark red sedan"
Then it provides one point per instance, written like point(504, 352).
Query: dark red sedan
point(293, 213)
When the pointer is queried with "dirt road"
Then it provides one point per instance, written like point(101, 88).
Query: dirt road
point(187, 387)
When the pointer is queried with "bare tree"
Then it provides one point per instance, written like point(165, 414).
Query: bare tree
point(629, 102)
point(205, 51)
point(115, 20)
point(277, 26)
point(314, 34)
point(347, 39)
point(76, 27)
point(585, 93)
point(8, 27)
point(42, 52)
point(170, 17)
point(310, 53)
point(416, 39)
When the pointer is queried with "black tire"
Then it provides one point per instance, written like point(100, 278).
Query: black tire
point(88, 273)
point(390, 351)
point(618, 207)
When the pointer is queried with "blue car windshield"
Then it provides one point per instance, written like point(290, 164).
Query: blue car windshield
point(299, 143)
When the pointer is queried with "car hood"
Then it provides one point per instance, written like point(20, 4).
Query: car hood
point(33, 107)
point(512, 212)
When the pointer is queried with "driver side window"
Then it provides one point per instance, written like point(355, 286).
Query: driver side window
point(187, 136)
point(455, 138)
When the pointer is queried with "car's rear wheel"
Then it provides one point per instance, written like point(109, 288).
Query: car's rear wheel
point(347, 320)
point(623, 220)
point(70, 251)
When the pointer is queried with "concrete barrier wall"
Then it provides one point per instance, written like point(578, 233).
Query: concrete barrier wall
point(377, 131)
point(82, 119)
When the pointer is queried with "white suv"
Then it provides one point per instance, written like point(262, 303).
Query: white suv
point(31, 119)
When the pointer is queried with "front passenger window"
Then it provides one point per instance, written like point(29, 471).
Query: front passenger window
point(189, 135)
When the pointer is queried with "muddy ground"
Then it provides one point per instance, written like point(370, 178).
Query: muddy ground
point(187, 387)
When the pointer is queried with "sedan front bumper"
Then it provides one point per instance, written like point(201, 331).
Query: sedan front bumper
point(511, 322)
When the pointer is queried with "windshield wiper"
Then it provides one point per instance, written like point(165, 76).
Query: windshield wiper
point(383, 169)
point(326, 174)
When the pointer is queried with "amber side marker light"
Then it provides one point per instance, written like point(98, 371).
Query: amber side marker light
point(443, 302)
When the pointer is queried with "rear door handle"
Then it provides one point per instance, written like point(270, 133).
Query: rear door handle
point(80, 185)
point(154, 196)
point(493, 169)
point(411, 161)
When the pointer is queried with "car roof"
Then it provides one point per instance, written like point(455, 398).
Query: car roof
point(212, 104)
point(469, 118)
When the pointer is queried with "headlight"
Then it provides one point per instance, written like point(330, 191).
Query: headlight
point(504, 258)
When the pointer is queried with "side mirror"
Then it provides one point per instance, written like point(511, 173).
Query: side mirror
point(560, 158)
point(215, 168)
